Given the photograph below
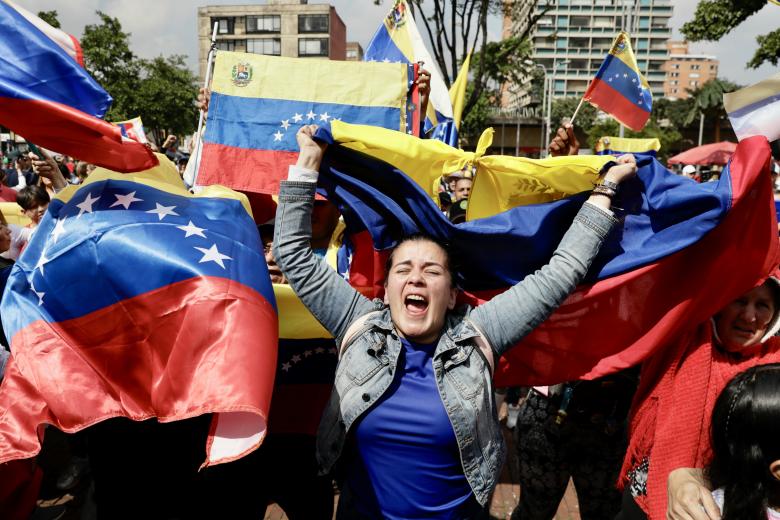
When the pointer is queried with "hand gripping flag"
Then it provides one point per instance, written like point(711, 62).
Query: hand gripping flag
point(48, 97)
point(652, 279)
point(619, 89)
point(399, 41)
point(258, 103)
point(136, 299)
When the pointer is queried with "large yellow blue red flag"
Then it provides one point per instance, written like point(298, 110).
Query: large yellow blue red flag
point(648, 283)
point(135, 298)
point(619, 89)
point(258, 103)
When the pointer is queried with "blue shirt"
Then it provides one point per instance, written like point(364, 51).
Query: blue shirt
point(405, 462)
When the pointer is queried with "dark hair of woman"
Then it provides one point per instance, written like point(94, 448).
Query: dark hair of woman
point(30, 197)
point(745, 432)
point(449, 254)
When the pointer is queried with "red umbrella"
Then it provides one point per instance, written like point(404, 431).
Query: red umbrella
point(708, 154)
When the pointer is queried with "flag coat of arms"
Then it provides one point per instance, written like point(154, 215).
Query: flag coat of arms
point(258, 103)
point(619, 89)
point(137, 299)
point(651, 279)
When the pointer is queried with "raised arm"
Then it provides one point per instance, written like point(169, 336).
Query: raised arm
point(328, 297)
point(510, 316)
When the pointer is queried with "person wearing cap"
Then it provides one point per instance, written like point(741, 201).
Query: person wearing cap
point(689, 171)
point(669, 440)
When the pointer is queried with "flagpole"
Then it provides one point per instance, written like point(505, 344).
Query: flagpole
point(582, 99)
point(202, 117)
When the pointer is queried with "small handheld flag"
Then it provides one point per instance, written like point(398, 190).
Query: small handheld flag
point(619, 89)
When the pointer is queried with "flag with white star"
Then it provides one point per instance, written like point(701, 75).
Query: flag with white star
point(619, 88)
point(250, 132)
point(137, 299)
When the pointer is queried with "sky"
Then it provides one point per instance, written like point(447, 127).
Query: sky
point(169, 27)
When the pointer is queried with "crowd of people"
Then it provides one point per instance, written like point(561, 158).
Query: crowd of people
point(411, 427)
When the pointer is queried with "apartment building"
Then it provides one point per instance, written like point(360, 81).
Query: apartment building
point(686, 71)
point(354, 51)
point(573, 37)
point(292, 28)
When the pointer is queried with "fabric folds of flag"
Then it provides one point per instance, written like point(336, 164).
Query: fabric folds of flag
point(684, 250)
point(47, 97)
point(619, 88)
point(258, 103)
point(755, 110)
point(398, 40)
point(137, 299)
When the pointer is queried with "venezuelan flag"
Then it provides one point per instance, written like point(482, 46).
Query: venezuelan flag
point(651, 280)
point(619, 88)
point(305, 369)
point(48, 97)
point(610, 145)
point(258, 103)
point(755, 110)
point(137, 299)
point(398, 40)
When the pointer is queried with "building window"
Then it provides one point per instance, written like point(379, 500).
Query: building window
point(674, 91)
point(694, 83)
point(673, 82)
point(352, 54)
point(674, 74)
point(675, 65)
point(226, 45)
point(225, 25)
point(561, 43)
point(313, 47)
point(269, 46)
point(695, 67)
point(694, 75)
point(313, 23)
point(644, 23)
point(641, 44)
point(269, 23)
point(713, 67)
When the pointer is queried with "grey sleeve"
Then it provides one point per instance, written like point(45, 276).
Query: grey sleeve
point(327, 295)
point(511, 315)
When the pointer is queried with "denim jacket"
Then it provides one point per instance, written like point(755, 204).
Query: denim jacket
point(463, 358)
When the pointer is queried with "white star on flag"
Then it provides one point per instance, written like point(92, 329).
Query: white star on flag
point(278, 136)
point(324, 117)
point(610, 80)
point(633, 80)
point(385, 60)
point(286, 367)
point(191, 229)
point(286, 124)
point(311, 115)
point(59, 229)
point(625, 75)
point(41, 261)
point(307, 353)
point(295, 358)
point(125, 200)
point(297, 118)
point(85, 206)
point(38, 294)
point(319, 350)
point(212, 254)
point(163, 211)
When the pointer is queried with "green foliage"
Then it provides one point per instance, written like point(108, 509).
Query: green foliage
point(50, 17)
point(166, 95)
point(563, 109)
point(503, 61)
point(107, 56)
point(768, 50)
point(716, 18)
point(668, 136)
point(162, 91)
point(708, 99)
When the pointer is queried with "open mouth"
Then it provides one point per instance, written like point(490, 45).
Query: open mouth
point(415, 304)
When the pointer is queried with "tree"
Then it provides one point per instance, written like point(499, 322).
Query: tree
point(50, 17)
point(563, 109)
point(107, 56)
point(715, 18)
point(707, 103)
point(166, 96)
